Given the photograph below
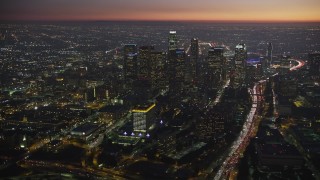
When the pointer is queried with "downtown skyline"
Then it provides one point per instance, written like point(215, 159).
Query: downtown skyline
point(139, 10)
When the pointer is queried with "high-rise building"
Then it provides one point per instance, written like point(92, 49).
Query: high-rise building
point(194, 58)
point(176, 65)
point(215, 62)
point(240, 61)
point(177, 71)
point(130, 64)
point(173, 42)
point(251, 73)
point(269, 54)
point(144, 64)
point(159, 80)
point(143, 117)
point(314, 63)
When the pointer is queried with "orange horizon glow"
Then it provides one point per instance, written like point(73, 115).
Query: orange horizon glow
point(165, 10)
point(98, 18)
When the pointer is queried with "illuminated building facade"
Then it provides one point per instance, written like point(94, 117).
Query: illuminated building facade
point(215, 62)
point(269, 54)
point(144, 64)
point(240, 59)
point(211, 125)
point(130, 65)
point(143, 117)
point(158, 75)
point(173, 41)
point(177, 71)
point(194, 57)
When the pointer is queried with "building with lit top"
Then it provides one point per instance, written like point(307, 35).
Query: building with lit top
point(173, 42)
point(143, 117)
point(176, 64)
point(194, 58)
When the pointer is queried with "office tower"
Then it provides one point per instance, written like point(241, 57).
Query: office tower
point(172, 46)
point(143, 117)
point(251, 73)
point(144, 64)
point(194, 57)
point(264, 64)
point(159, 80)
point(314, 63)
point(240, 59)
point(176, 65)
point(130, 65)
point(173, 42)
point(177, 71)
point(269, 54)
point(215, 61)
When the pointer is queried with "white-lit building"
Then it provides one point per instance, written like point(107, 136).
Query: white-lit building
point(143, 117)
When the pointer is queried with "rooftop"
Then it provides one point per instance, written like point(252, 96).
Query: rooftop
point(143, 108)
point(84, 129)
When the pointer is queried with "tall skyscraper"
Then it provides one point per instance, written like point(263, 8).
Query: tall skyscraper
point(193, 61)
point(144, 64)
point(130, 65)
point(215, 61)
point(173, 42)
point(176, 65)
point(159, 80)
point(176, 83)
point(269, 54)
point(240, 61)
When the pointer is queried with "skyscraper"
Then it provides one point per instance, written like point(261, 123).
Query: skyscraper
point(269, 54)
point(240, 61)
point(194, 57)
point(130, 65)
point(215, 61)
point(144, 65)
point(159, 80)
point(176, 64)
point(173, 42)
point(176, 83)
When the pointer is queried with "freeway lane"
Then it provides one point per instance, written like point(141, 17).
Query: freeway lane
point(242, 141)
point(249, 129)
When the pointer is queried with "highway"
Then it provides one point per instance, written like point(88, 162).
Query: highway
point(243, 140)
point(74, 169)
point(249, 129)
point(301, 63)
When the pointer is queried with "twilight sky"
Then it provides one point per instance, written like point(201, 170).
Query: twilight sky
point(252, 10)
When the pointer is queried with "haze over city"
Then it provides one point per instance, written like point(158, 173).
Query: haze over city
point(204, 10)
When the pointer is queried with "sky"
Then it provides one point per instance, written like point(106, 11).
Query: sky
point(208, 10)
